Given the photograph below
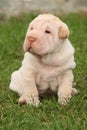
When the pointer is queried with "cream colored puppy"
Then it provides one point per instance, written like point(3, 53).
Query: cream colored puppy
point(47, 63)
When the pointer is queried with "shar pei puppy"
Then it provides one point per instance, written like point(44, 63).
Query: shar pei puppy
point(48, 62)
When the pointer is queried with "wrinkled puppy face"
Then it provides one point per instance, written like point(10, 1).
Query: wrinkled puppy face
point(44, 34)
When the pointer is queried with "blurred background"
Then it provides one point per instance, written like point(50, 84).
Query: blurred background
point(14, 7)
point(49, 115)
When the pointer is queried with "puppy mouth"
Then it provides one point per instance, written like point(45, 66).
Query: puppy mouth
point(30, 50)
point(35, 53)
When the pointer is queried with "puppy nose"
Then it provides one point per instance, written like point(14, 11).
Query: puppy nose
point(32, 39)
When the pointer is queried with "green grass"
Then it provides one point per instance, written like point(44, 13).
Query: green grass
point(49, 115)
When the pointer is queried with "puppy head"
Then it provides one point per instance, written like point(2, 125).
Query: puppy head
point(44, 34)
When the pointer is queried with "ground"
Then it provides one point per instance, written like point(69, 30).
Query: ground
point(49, 115)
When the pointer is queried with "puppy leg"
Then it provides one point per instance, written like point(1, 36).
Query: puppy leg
point(16, 83)
point(65, 89)
point(24, 84)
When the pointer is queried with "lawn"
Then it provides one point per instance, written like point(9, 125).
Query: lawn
point(49, 115)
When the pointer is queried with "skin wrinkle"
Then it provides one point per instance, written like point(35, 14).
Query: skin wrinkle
point(48, 63)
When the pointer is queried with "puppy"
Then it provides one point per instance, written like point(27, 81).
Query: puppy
point(47, 63)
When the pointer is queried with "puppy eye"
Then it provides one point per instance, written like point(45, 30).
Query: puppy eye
point(31, 28)
point(47, 31)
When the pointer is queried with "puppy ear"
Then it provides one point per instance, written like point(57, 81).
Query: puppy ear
point(26, 41)
point(26, 44)
point(63, 31)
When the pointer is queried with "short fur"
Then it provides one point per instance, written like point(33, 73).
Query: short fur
point(47, 63)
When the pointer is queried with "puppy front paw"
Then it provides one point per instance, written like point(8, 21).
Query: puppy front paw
point(29, 100)
point(64, 96)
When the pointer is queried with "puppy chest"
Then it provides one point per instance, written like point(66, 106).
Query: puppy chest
point(44, 82)
point(47, 77)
